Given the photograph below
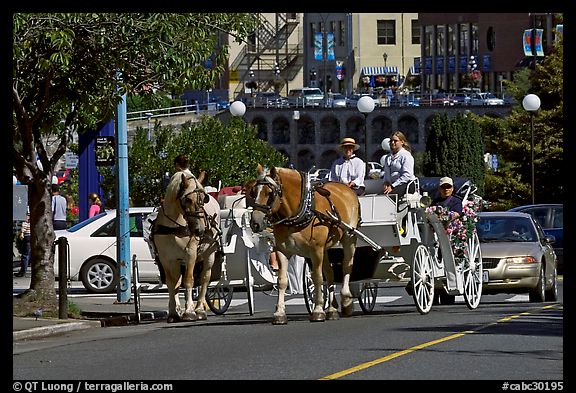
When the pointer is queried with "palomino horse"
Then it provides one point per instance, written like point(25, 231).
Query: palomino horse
point(306, 221)
point(186, 232)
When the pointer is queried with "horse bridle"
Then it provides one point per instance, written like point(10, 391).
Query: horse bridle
point(276, 192)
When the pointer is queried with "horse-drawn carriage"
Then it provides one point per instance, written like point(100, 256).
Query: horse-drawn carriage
point(402, 240)
point(357, 242)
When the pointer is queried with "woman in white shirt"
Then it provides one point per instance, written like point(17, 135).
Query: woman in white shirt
point(349, 169)
point(398, 165)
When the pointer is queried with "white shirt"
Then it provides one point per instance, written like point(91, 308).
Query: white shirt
point(346, 171)
point(398, 168)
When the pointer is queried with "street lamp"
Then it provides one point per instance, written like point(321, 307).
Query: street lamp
point(237, 109)
point(472, 67)
point(385, 56)
point(531, 103)
point(366, 106)
point(149, 116)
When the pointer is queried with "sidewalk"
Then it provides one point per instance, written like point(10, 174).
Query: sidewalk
point(98, 311)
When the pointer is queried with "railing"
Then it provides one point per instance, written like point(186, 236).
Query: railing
point(173, 111)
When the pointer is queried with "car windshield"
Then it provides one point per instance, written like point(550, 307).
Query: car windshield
point(311, 92)
point(505, 229)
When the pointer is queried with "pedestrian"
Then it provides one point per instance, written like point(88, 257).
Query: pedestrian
point(398, 166)
point(349, 169)
point(59, 205)
point(95, 204)
point(25, 254)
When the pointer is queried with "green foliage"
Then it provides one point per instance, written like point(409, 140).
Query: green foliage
point(229, 153)
point(455, 148)
point(510, 138)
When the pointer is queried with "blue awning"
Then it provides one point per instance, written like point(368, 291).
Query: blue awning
point(369, 71)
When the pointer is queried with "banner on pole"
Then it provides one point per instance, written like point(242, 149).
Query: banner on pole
point(318, 55)
point(330, 46)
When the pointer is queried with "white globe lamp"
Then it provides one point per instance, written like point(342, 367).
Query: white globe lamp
point(238, 108)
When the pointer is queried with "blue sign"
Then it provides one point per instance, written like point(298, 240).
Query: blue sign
point(494, 162)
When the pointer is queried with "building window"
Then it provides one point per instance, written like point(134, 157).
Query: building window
point(386, 32)
point(312, 34)
point(464, 38)
point(440, 40)
point(428, 30)
point(474, 38)
point(451, 40)
point(415, 32)
point(342, 33)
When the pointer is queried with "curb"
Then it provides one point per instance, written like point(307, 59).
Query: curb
point(45, 331)
point(63, 327)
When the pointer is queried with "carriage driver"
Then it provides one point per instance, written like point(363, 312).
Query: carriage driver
point(349, 169)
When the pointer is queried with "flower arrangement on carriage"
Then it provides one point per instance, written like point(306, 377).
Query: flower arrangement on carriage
point(460, 229)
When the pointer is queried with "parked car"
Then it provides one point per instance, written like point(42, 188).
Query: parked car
point(306, 96)
point(353, 100)
point(374, 170)
point(517, 256)
point(485, 99)
point(461, 99)
point(92, 250)
point(336, 100)
point(268, 99)
point(551, 218)
point(320, 174)
point(443, 99)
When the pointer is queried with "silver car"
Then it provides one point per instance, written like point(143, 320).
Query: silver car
point(517, 256)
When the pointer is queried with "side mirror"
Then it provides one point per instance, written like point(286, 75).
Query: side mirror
point(550, 239)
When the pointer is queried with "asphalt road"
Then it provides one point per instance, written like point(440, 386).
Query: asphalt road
point(506, 339)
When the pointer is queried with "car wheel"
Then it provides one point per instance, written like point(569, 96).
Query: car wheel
point(537, 295)
point(99, 276)
point(551, 295)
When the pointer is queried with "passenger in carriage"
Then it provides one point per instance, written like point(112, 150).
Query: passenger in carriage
point(398, 166)
point(446, 199)
point(349, 169)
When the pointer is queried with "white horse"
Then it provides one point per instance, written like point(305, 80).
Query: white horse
point(186, 232)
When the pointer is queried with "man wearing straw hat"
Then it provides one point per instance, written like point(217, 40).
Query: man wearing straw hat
point(349, 169)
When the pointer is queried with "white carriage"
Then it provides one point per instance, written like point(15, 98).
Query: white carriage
point(400, 242)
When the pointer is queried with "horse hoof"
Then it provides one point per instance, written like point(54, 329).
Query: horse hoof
point(317, 317)
point(189, 317)
point(201, 315)
point(280, 320)
point(173, 319)
point(348, 310)
point(332, 315)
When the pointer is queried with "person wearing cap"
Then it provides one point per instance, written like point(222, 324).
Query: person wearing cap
point(398, 165)
point(349, 169)
point(446, 199)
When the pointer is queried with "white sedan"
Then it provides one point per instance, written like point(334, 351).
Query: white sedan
point(485, 99)
point(92, 250)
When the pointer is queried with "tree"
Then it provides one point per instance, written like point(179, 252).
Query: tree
point(510, 138)
point(455, 148)
point(69, 74)
point(229, 153)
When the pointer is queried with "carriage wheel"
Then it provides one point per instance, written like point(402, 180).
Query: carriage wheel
point(423, 280)
point(219, 298)
point(308, 286)
point(473, 273)
point(367, 297)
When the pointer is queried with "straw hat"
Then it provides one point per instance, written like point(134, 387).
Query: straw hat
point(349, 142)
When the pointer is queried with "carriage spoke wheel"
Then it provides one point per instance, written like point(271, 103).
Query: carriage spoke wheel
point(367, 297)
point(423, 280)
point(308, 286)
point(473, 272)
point(219, 298)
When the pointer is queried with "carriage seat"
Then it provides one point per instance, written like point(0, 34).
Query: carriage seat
point(232, 201)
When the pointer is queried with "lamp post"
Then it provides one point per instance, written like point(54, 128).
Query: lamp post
point(385, 56)
point(365, 106)
point(237, 109)
point(276, 74)
point(531, 103)
point(472, 67)
point(149, 116)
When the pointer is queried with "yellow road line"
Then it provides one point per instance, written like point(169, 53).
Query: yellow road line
point(395, 355)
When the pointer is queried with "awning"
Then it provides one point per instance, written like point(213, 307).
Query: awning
point(369, 71)
point(412, 71)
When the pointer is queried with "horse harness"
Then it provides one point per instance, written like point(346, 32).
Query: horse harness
point(307, 207)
